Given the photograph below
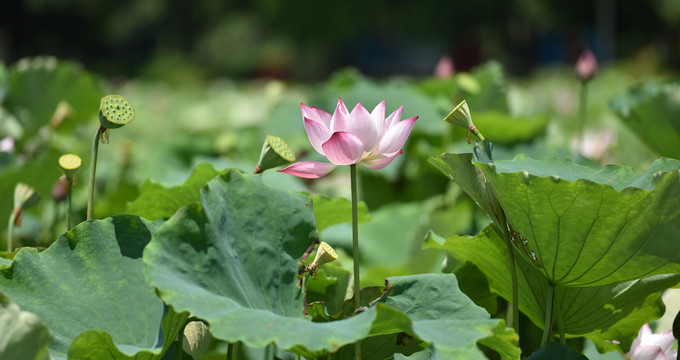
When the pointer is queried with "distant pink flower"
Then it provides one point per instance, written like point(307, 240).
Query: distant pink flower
point(444, 68)
point(649, 346)
point(346, 138)
point(7, 144)
point(586, 65)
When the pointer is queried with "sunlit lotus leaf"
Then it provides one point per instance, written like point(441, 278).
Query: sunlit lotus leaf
point(615, 311)
point(587, 227)
point(89, 289)
point(233, 259)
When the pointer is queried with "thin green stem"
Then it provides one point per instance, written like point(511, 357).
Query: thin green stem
point(68, 209)
point(549, 312)
point(355, 249)
point(10, 230)
point(93, 169)
point(583, 111)
point(560, 322)
point(230, 351)
point(513, 318)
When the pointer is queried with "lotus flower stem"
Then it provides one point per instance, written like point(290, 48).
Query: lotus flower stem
point(68, 210)
point(549, 312)
point(10, 230)
point(355, 248)
point(230, 351)
point(93, 169)
point(513, 318)
point(583, 110)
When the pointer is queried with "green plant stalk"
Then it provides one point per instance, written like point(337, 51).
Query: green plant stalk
point(10, 230)
point(583, 111)
point(549, 312)
point(355, 250)
point(93, 169)
point(513, 319)
point(68, 209)
point(560, 322)
point(230, 351)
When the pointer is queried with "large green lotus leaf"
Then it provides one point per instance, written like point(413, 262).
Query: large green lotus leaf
point(615, 309)
point(156, 201)
point(37, 85)
point(233, 260)
point(652, 111)
point(459, 168)
point(89, 283)
point(590, 227)
point(430, 308)
point(23, 335)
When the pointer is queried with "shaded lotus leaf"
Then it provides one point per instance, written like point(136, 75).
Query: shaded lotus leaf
point(23, 335)
point(89, 288)
point(587, 227)
point(615, 310)
point(652, 111)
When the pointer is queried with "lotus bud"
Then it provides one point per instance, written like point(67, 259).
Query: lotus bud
point(70, 163)
point(324, 254)
point(24, 197)
point(444, 68)
point(586, 65)
point(60, 189)
point(115, 111)
point(275, 152)
point(460, 116)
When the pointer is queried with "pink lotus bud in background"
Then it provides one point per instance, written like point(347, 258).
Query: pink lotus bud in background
point(586, 65)
point(444, 68)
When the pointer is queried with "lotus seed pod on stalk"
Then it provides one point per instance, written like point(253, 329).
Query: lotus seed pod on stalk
point(324, 254)
point(460, 116)
point(24, 197)
point(69, 163)
point(275, 152)
point(114, 112)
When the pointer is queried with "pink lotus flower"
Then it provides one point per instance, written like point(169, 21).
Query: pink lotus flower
point(649, 346)
point(356, 137)
point(586, 65)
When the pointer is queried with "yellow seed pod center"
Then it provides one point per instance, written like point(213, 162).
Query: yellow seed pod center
point(70, 162)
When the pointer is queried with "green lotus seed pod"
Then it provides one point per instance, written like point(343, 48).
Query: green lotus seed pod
point(70, 163)
point(460, 116)
point(25, 196)
point(115, 111)
point(275, 152)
